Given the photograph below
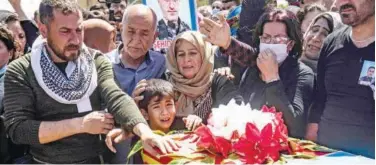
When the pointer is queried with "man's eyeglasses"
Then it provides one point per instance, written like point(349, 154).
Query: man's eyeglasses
point(275, 40)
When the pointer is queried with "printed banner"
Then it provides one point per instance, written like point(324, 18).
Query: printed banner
point(174, 17)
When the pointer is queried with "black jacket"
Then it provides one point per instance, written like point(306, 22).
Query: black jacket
point(223, 91)
point(291, 95)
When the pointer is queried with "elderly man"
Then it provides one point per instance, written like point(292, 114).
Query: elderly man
point(97, 28)
point(133, 60)
point(54, 95)
point(170, 25)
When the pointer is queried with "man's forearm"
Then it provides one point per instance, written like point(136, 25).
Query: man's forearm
point(142, 130)
point(56, 130)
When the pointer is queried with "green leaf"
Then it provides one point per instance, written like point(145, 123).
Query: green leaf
point(323, 149)
point(304, 155)
point(179, 161)
point(158, 132)
point(179, 132)
point(136, 148)
point(208, 160)
point(233, 156)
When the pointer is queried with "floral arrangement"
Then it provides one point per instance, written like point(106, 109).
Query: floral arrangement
point(254, 136)
point(236, 134)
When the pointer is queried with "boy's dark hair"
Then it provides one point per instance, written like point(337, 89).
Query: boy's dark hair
point(155, 87)
point(371, 67)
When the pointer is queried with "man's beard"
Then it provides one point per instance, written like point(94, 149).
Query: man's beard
point(61, 53)
point(358, 17)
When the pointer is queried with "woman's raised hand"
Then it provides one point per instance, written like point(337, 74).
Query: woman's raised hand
point(216, 33)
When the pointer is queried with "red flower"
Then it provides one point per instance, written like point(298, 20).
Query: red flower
point(258, 146)
point(214, 144)
point(266, 109)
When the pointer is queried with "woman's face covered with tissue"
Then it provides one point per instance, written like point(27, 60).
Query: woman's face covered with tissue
point(275, 38)
point(278, 31)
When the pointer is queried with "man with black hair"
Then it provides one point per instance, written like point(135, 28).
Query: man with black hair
point(367, 79)
point(344, 108)
point(116, 13)
point(55, 97)
point(171, 24)
point(118, 9)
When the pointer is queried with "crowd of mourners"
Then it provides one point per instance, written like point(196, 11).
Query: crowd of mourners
point(84, 85)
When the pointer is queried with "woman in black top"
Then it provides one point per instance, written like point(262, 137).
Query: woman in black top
point(275, 76)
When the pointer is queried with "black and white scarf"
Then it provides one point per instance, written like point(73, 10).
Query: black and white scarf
point(76, 85)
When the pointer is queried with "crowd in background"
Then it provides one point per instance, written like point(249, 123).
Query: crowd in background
point(313, 60)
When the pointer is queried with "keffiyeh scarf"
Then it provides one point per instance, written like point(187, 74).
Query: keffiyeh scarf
point(77, 84)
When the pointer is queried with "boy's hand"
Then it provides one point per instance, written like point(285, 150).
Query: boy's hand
point(164, 143)
point(116, 135)
point(192, 122)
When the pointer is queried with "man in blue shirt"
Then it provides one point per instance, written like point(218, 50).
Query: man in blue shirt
point(133, 60)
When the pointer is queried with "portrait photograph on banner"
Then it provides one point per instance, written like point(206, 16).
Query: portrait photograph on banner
point(174, 17)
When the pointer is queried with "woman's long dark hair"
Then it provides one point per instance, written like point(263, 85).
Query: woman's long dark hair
point(292, 27)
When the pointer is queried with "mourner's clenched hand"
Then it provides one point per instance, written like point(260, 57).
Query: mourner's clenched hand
point(97, 122)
